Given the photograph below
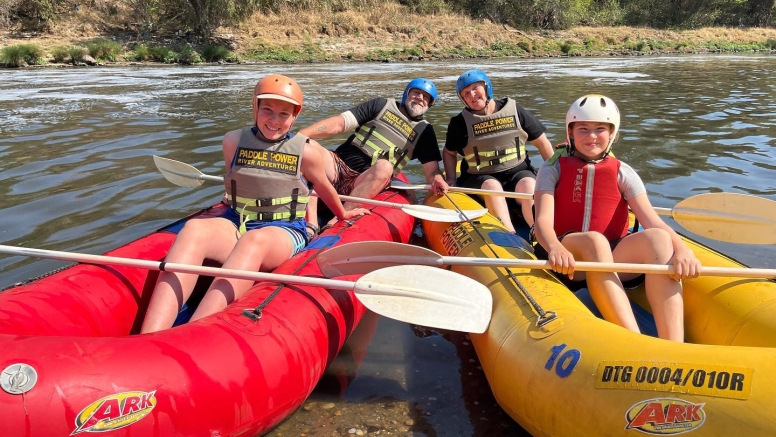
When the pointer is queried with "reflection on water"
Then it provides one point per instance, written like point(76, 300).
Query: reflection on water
point(76, 173)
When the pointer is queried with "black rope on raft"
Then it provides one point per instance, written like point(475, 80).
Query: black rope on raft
point(544, 317)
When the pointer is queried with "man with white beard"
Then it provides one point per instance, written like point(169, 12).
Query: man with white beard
point(388, 134)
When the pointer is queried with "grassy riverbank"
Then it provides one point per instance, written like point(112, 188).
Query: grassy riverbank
point(387, 33)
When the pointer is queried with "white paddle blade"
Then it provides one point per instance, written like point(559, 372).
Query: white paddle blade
point(178, 173)
point(427, 296)
point(444, 215)
point(367, 256)
point(730, 217)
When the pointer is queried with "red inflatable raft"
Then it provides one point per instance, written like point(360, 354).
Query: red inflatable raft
point(72, 365)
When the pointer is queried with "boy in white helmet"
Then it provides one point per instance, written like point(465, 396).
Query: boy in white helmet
point(574, 221)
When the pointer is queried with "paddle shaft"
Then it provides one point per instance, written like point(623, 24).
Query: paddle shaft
point(176, 268)
point(205, 177)
point(526, 196)
point(183, 174)
point(400, 292)
point(196, 176)
point(729, 217)
point(584, 266)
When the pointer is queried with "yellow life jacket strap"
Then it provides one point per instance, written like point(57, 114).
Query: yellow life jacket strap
point(378, 152)
point(261, 217)
point(245, 201)
point(478, 164)
point(509, 151)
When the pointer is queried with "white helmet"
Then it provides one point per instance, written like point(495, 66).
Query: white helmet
point(594, 107)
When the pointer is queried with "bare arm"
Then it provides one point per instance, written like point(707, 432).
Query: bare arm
point(560, 258)
point(325, 128)
point(545, 147)
point(450, 160)
point(434, 177)
point(230, 142)
point(544, 229)
point(313, 171)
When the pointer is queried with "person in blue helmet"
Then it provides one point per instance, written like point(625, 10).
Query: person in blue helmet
point(491, 135)
point(388, 134)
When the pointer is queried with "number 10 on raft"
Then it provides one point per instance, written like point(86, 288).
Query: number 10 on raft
point(564, 363)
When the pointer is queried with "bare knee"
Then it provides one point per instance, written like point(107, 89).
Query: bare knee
point(589, 246)
point(660, 243)
point(254, 241)
point(195, 232)
point(525, 185)
point(492, 184)
point(382, 169)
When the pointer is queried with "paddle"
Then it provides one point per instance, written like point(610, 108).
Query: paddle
point(729, 217)
point(363, 257)
point(184, 175)
point(414, 294)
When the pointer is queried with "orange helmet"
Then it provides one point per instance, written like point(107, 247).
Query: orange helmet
point(278, 87)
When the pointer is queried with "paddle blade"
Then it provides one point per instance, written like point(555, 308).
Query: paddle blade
point(731, 217)
point(178, 173)
point(443, 215)
point(427, 296)
point(367, 256)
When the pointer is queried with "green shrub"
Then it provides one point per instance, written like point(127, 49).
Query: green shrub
point(525, 45)
point(570, 48)
point(142, 53)
point(70, 54)
point(21, 54)
point(60, 54)
point(682, 46)
point(164, 54)
point(104, 49)
point(638, 46)
point(595, 44)
point(188, 56)
point(76, 53)
point(214, 53)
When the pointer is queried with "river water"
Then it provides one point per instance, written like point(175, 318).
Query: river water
point(77, 175)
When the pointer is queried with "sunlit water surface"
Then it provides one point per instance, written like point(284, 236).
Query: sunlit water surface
point(76, 175)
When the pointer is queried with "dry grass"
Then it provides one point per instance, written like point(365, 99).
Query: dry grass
point(362, 31)
point(374, 30)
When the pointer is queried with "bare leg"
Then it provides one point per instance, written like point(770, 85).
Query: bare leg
point(653, 246)
point(258, 250)
point(497, 205)
point(605, 288)
point(369, 183)
point(526, 185)
point(200, 239)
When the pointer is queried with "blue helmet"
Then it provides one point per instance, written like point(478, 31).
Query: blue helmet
point(422, 84)
point(470, 77)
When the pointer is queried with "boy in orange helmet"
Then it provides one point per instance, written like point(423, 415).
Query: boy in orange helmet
point(267, 192)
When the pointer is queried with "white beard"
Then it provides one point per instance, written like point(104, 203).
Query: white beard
point(415, 110)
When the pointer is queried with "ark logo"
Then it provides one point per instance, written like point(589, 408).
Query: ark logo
point(665, 416)
point(115, 411)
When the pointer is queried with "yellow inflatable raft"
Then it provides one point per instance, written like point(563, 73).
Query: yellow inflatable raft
point(559, 371)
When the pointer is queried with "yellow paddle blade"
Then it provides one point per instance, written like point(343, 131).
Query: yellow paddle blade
point(730, 217)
